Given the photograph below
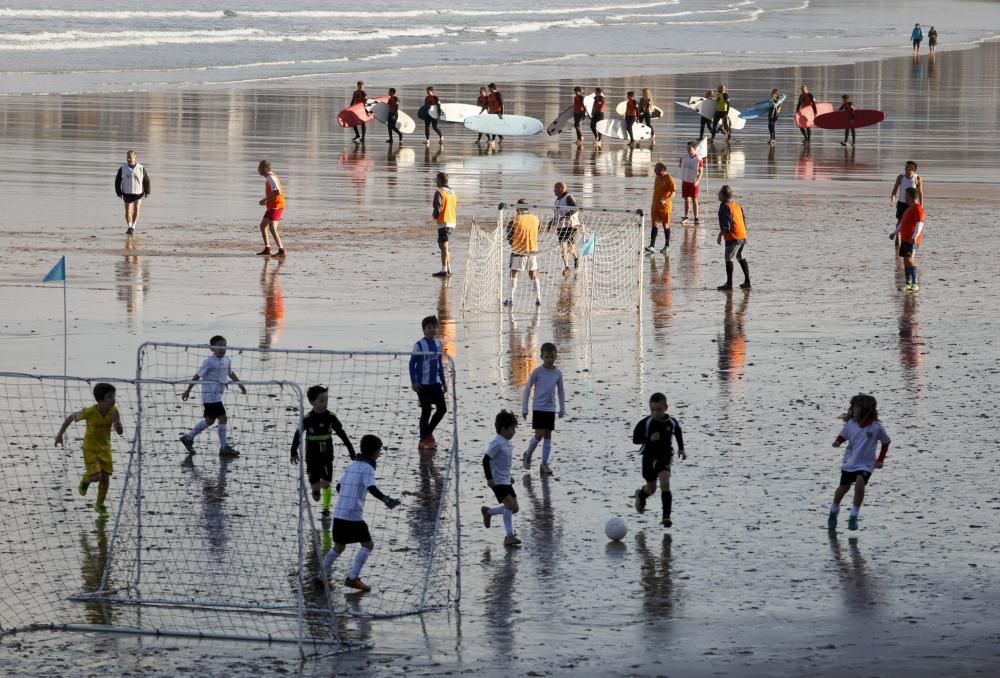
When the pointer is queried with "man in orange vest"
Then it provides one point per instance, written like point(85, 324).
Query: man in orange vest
point(733, 229)
point(445, 214)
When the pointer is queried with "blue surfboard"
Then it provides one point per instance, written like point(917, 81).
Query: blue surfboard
point(760, 108)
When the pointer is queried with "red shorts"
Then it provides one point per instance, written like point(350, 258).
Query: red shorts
point(689, 190)
point(274, 213)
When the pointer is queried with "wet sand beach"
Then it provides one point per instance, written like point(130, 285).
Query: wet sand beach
point(748, 582)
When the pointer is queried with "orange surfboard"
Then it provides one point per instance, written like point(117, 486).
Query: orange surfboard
point(805, 117)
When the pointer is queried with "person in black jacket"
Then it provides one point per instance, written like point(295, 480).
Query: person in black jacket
point(655, 434)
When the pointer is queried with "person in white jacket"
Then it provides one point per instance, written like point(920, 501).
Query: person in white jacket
point(131, 185)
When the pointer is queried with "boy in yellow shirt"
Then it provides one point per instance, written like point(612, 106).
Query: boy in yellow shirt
point(97, 443)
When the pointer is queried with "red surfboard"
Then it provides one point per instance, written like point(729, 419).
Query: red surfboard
point(842, 119)
point(804, 117)
point(357, 114)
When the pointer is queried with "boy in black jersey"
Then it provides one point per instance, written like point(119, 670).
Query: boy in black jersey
point(319, 424)
point(654, 433)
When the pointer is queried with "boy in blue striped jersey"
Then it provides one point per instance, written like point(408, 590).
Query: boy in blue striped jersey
point(427, 379)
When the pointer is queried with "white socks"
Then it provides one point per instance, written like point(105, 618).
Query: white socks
point(331, 556)
point(538, 288)
point(508, 522)
point(546, 450)
point(513, 287)
point(532, 444)
point(497, 510)
point(223, 435)
point(359, 562)
point(855, 510)
point(198, 428)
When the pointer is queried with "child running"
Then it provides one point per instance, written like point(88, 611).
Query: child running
point(862, 432)
point(319, 424)
point(428, 381)
point(496, 466)
point(663, 203)
point(97, 462)
point(349, 526)
point(546, 380)
point(215, 371)
point(655, 434)
point(910, 231)
point(274, 201)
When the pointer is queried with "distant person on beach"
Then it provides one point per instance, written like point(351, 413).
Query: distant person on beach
point(932, 40)
point(862, 431)
point(445, 212)
point(911, 232)
point(392, 122)
point(215, 373)
point(131, 185)
point(706, 124)
point(274, 201)
point(908, 179)
point(692, 169)
point(567, 223)
point(430, 101)
point(597, 114)
point(663, 202)
point(428, 381)
point(656, 433)
point(97, 462)
point(720, 119)
point(646, 106)
point(917, 36)
point(523, 237)
point(359, 96)
point(848, 107)
point(496, 467)
point(547, 382)
point(494, 106)
point(773, 112)
point(732, 229)
point(579, 113)
point(806, 99)
point(482, 102)
point(631, 115)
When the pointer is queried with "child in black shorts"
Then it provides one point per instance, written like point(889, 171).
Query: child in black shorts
point(654, 433)
point(496, 466)
point(319, 425)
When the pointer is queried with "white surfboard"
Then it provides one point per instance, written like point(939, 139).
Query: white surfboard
point(588, 104)
point(505, 161)
point(560, 123)
point(615, 129)
point(706, 107)
point(457, 112)
point(623, 106)
point(508, 125)
point(380, 111)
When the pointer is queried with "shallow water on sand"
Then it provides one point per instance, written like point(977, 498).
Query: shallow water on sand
point(748, 582)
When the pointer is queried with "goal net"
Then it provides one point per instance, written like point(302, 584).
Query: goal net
point(587, 258)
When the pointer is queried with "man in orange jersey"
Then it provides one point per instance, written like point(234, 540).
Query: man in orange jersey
point(274, 201)
point(445, 214)
point(911, 232)
point(663, 197)
point(732, 229)
point(579, 112)
point(523, 238)
point(359, 96)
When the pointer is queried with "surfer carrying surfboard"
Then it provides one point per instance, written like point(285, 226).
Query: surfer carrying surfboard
point(705, 122)
point(772, 113)
point(646, 112)
point(720, 120)
point(806, 99)
point(481, 102)
point(431, 101)
point(579, 111)
point(494, 106)
point(392, 121)
point(848, 107)
point(359, 96)
point(631, 115)
point(597, 114)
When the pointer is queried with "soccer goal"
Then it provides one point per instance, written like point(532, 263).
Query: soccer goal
point(589, 255)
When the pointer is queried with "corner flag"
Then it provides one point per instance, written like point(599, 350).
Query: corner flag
point(58, 271)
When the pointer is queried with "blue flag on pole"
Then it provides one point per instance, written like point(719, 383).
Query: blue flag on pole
point(58, 271)
point(587, 249)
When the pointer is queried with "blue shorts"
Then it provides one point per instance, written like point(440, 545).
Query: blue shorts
point(734, 249)
point(908, 249)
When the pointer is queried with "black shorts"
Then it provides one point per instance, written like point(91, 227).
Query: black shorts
point(350, 531)
point(907, 249)
point(131, 197)
point(501, 491)
point(544, 421)
point(319, 466)
point(848, 477)
point(654, 465)
point(566, 234)
point(431, 394)
point(577, 117)
point(215, 410)
point(444, 234)
point(900, 209)
point(916, 43)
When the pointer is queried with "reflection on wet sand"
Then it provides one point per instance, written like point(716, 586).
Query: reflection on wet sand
point(544, 528)
point(92, 561)
point(213, 505)
point(523, 347)
point(859, 589)
point(733, 341)
point(661, 295)
point(499, 574)
point(911, 353)
point(447, 324)
point(132, 277)
point(274, 303)
point(656, 576)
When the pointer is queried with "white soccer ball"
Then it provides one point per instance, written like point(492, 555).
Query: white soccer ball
point(615, 529)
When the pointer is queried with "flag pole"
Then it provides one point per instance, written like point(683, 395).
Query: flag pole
point(65, 347)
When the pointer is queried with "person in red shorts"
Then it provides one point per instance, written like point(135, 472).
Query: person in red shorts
point(910, 231)
point(274, 201)
point(692, 168)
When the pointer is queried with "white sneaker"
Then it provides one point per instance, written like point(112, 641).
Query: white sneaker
point(648, 249)
point(665, 250)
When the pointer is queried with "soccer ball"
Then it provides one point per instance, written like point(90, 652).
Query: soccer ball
point(615, 529)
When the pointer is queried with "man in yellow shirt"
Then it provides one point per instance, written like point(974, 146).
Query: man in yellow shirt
point(97, 442)
point(522, 234)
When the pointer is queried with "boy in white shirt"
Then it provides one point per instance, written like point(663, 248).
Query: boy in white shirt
point(349, 526)
point(546, 380)
point(692, 169)
point(862, 432)
point(496, 466)
point(215, 372)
